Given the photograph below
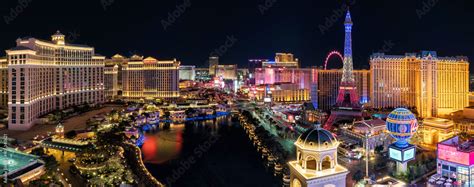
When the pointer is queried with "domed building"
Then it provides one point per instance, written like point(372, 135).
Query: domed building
point(316, 164)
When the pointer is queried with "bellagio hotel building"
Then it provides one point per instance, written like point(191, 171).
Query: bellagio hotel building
point(44, 76)
point(148, 79)
point(435, 86)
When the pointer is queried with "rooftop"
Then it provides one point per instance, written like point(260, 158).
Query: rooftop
point(461, 144)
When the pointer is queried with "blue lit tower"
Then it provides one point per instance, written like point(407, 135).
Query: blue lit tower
point(347, 96)
point(401, 124)
point(347, 102)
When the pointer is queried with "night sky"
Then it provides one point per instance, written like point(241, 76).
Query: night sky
point(136, 26)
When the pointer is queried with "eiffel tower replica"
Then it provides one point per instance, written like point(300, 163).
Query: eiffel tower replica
point(347, 102)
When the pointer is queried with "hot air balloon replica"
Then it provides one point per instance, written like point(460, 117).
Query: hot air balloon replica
point(402, 125)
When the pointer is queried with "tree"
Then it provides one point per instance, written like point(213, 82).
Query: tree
point(39, 151)
point(358, 175)
point(71, 134)
point(378, 149)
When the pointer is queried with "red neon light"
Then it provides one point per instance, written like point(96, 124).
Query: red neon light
point(332, 53)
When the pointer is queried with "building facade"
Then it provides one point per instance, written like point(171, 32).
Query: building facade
point(227, 72)
point(456, 161)
point(3, 83)
point(111, 82)
point(187, 73)
point(44, 76)
point(118, 60)
point(202, 74)
point(252, 65)
point(330, 80)
point(286, 84)
point(213, 63)
point(283, 60)
point(436, 86)
point(149, 79)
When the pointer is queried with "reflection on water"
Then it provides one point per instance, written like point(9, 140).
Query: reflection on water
point(164, 144)
point(225, 156)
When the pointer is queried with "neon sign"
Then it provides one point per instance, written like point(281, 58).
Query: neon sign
point(451, 154)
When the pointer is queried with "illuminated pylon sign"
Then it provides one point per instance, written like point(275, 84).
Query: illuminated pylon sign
point(347, 96)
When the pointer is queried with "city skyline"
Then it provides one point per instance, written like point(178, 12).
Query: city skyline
point(201, 28)
point(266, 93)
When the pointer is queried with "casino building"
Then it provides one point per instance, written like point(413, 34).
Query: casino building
point(44, 76)
point(436, 86)
point(149, 79)
point(456, 160)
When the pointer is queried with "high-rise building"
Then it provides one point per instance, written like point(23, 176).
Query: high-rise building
point(118, 60)
point(227, 72)
point(3, 82)
point(286, 60)
point(329, 82)
point(187, 73)
point(111, 81)
point(213, 63)
point(254, 64)
point(149, 79)
point(287, 84)
point(44, 76)
point(435, 86)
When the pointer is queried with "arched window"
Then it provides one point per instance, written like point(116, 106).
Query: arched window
point(310, 163)
point(326, 163)
point(296, 183)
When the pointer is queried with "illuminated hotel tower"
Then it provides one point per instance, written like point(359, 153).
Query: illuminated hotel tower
point(347, 96)
point(148, 79)
point(436, 86)
point(44, 76)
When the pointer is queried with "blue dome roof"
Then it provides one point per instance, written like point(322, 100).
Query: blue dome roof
point(316, 137)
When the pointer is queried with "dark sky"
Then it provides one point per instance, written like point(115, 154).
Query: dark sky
point(135, 26)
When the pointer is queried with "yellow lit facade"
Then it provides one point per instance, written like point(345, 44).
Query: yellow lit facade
point(436, 86)
point(44, 76)
point(3, 83)
point(149, 79)
point(283, 93)
point(111, 81)
point(436, 130)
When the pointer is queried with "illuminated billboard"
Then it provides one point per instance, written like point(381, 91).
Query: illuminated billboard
point(451, 154)
point(267, 100)
point(395, 154)
point(402, 154)
point(409, 154)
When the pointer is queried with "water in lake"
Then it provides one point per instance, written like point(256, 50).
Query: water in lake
point(205, 153)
